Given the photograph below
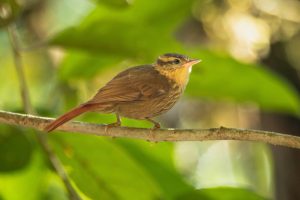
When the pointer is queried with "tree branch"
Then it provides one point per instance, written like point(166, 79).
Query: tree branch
point(221, 133)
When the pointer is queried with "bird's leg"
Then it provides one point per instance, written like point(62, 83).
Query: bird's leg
point(156, 124)
point(115, 124)
point(118, 122)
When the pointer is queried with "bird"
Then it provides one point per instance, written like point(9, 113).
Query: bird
point(140, 92)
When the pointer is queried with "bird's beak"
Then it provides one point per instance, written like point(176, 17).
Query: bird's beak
point(192, 62)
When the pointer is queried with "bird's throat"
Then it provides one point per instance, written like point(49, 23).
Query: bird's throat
point(180, 76)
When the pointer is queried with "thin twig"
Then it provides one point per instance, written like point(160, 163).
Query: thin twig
point(34, 47)
point(42, 138)
point(221, 133)
point(19, 69)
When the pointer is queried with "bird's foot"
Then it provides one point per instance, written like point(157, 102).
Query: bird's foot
point(115, 124)
point(156, 126)
point(152, 133)
point(155, 123)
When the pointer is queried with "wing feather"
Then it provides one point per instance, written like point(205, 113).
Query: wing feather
point(134, 84)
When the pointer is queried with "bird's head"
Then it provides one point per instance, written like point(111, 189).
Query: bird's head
point(175, 66)
point(173, 61)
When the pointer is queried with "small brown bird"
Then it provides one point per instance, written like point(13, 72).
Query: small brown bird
point(141, 92)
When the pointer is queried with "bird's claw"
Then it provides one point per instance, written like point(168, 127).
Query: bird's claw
point(115, 124)
point(156, 126)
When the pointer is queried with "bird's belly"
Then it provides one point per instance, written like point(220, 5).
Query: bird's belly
point(148, 108)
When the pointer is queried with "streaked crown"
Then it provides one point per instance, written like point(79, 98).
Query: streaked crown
point(172, 59)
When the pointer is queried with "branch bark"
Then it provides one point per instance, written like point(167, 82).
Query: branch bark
point(157, 135)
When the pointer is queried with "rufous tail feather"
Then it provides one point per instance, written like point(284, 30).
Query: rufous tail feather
point(68, 116)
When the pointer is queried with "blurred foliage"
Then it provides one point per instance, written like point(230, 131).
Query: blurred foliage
point(106, 169)
point(222, 77)
point(30, 179)
point(14, 158)
point(113, 35)
point(9, 11)
point(223, 193)
point(229, 166)
point(113, 3)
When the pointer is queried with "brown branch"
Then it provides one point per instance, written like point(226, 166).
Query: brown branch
point(42, 139)
point(157, 135)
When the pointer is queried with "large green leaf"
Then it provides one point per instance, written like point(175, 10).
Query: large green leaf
point(142, 30)
point(23, 171)
point(126, 169)
point(79, 64)
point(103, 170)
point(221, 77)
point(108, 37)
point(15, 148)
point(28, 182)
point(113, 3)
point(157, 159)
point(120, 169)
point(222, 193)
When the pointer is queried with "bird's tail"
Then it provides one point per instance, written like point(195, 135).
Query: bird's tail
point(68, 116)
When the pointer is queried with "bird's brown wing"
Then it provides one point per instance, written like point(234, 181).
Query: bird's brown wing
point(134, 84)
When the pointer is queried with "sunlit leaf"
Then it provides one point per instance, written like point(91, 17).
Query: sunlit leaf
point(104, 37)
point(142, 30)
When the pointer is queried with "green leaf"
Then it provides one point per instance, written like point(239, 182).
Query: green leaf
point(120, 169)
point(28, 182)
point(115, 32)
point(103, 170)
point(15, 148)
point(78, 64)
point(113, 3)
point(222, 193)
point(104, 37)
point(157, 159)
point(221, 77)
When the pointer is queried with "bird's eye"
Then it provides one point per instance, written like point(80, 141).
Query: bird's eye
point(176, 61)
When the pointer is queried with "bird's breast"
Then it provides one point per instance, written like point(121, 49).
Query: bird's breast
point(178, 76)
point(152, 107)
